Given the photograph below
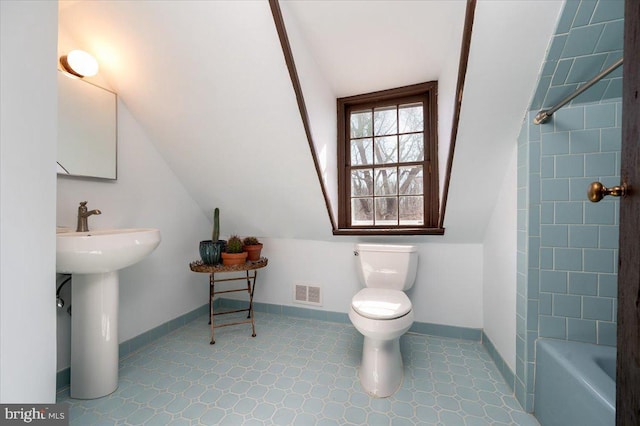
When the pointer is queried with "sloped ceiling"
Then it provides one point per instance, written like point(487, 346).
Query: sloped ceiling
point(508, 47)
point(364, 46)
point(208, 82)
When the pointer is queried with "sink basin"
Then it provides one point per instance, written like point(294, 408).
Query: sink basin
point(94, 258)
point(104, 250)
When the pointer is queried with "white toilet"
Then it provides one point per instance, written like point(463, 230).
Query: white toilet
point(382, 312)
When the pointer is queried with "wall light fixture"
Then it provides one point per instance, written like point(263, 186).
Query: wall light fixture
point(79, 63)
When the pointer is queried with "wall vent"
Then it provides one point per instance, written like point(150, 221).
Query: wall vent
point(307, 294)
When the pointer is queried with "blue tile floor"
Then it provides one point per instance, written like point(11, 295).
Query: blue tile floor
point(297, 372)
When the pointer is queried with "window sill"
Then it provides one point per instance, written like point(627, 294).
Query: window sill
point(388, 231)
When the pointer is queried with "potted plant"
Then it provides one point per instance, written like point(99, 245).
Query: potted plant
point(210, 250)
point(234, 254)
point(253, 247)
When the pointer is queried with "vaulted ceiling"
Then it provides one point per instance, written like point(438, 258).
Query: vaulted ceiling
point(364, 46)
point(208, 82)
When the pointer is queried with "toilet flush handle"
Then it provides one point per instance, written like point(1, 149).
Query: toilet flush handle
point(355, 253)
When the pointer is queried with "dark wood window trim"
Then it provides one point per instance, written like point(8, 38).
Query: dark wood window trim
point(426, 93)
point(462, 74)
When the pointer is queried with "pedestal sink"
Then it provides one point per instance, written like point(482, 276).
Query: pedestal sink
point(94, 258)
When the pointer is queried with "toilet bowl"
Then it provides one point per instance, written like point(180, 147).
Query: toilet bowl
point(382, 313)
point(381, 370)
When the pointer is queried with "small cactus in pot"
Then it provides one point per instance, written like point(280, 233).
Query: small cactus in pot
point(210, 250)
point(233, 253)
point(253, 247)
point(234, 245)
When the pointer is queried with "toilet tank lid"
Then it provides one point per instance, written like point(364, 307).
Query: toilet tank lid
point(390, 248)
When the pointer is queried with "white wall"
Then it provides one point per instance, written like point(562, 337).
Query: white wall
point(448, 286)
point(499, 270)
point(504, 65)
point(146, 194)
point(320, 101)
point(28, 113)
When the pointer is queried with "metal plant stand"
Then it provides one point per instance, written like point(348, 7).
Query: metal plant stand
point(251, 284)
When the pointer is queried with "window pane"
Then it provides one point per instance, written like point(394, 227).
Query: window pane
point(360, 124)
point(411, 180)
point(387, 211)
point(411, 118)
point(361, 211)
point(361, 182)
point(386, 150)
point(412, 147)
point(361, 152)
point(385, 121)
point(411, 210)
point(386, 181)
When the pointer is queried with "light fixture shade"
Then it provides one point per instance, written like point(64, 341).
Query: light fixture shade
point(79, 63)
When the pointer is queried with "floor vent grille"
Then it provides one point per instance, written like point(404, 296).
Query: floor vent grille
point(307, 294)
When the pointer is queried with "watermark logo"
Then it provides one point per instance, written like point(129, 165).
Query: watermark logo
point(36, 414)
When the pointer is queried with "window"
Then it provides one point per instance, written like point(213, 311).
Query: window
point(387, 157)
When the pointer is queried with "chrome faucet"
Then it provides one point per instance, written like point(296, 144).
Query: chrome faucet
point(83, 214)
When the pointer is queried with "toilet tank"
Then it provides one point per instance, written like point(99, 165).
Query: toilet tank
point(387, 266)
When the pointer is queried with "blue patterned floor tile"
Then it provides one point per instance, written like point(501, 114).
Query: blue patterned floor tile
point(298, 371)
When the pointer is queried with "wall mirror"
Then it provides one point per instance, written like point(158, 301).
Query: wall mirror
point(87, 129)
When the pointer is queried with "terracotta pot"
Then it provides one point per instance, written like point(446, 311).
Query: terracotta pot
point(229, 259)
point(254, 251)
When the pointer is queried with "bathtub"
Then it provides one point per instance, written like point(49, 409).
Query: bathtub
point(575, 383)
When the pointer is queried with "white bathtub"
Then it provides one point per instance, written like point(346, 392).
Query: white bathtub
point(575, 383)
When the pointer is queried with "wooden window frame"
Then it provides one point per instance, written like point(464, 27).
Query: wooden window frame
point(427, 92)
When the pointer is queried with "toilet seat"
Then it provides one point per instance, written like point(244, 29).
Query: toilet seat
point(381, 303)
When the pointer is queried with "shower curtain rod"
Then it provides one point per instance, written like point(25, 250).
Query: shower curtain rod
point(545, 114)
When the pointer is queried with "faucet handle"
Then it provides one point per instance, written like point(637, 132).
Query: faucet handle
point(83, 203)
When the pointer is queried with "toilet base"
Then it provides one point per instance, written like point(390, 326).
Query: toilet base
point(381, 372)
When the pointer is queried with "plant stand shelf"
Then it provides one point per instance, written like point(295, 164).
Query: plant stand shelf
point(198, 266)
